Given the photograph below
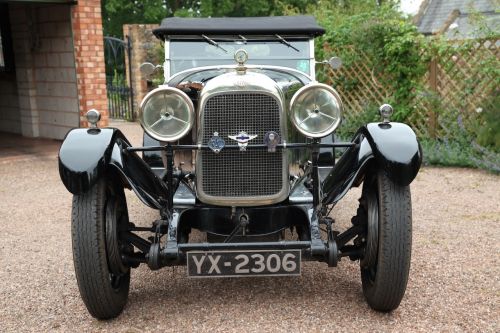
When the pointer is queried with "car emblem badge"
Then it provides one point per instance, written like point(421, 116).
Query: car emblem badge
point(271, 140)
point(240, 84)
point(242, 138)
point(216, 143)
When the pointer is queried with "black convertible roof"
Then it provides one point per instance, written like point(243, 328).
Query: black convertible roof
point(269, 25)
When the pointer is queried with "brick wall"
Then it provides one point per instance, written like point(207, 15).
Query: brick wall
point(89, 55)
point(45, 70)
point(143, 50)
point(59, 69)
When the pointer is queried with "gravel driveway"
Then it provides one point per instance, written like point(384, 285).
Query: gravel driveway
point(454, 281)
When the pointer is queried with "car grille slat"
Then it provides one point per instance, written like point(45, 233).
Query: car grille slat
point(240, 174)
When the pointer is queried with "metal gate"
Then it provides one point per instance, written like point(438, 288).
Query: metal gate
point(120, 94)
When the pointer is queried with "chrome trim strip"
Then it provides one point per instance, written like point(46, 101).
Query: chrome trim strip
point(312, 60)
point(166, 64)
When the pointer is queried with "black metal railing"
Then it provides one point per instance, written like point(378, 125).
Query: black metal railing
point(120, 102)
point(119, 91)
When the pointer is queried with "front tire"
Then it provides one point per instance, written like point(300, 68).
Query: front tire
point(102, 280)
point(384, 273)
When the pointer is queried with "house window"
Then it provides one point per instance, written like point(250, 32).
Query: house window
point(6, 51)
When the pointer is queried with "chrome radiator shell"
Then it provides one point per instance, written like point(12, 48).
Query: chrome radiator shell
point(247, 171)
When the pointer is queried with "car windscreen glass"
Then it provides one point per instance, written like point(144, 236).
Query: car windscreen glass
point(187, 54)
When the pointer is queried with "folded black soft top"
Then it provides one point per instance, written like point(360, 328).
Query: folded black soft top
point(270, 25)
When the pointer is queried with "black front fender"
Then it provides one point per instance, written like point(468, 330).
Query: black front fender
point(392, 147)
point(396, 150)
point(87, 154)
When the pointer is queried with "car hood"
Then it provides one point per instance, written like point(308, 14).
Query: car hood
point(287, 79)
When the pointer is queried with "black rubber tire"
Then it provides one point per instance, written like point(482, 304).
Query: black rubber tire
point(103, 298)
point(384, 285)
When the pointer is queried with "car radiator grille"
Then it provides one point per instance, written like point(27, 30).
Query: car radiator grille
point(234, 173)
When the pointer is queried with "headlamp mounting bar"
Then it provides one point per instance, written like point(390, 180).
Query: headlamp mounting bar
point(249, 147)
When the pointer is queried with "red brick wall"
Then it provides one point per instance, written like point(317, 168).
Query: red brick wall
point(89, 55)
point(143, 44)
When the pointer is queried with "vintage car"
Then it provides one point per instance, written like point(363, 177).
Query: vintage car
point(239, 145)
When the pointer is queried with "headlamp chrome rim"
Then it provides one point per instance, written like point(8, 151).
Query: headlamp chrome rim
point(185, 98)
point(306, 88)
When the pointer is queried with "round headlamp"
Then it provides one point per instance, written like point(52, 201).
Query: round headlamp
point(315, 110)
point(167, 114)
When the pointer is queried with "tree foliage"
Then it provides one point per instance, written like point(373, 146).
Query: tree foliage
point(116, 13)
point(382, 33)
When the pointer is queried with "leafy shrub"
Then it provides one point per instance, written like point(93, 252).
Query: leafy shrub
point(350, 125)
point(487, 129)
point(445, 152)
point(118, 79)
point(393, 45)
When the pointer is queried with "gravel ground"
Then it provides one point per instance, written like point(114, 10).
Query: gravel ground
point(454, 281)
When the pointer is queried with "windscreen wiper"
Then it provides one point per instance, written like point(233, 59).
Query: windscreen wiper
point(214, 43)
point(284, 41)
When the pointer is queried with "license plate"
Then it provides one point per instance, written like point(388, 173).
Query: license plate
point(243, 263)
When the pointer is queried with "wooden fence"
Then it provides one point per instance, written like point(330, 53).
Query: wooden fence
point(458, 85)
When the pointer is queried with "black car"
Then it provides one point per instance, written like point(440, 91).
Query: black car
point(239, 144)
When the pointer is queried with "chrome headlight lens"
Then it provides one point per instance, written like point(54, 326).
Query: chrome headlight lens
point(315, 110)
point(167, 114)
